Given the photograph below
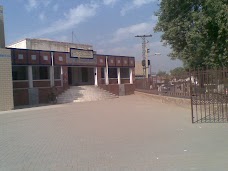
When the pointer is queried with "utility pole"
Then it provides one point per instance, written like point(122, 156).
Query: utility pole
point(2, 33)
point(145, 53)
point(72, 37)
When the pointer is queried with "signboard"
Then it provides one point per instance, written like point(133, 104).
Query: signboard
point(80, 61)
point(77, 53)
point(5, 53)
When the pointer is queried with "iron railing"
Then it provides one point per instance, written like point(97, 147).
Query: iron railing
point(207, 89)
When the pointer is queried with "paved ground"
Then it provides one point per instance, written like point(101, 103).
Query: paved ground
point(132, 133)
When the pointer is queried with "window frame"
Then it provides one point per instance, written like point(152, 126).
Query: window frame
point(56, 72)
point(39, 72)
point(121, 73)
point(26, 73)
point(111, 68)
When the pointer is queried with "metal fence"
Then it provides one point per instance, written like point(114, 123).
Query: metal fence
point(175, 87)
point(209, 95)
point(207, 89)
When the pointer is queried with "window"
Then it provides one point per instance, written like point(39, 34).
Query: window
point(112, 72)
point(45, 58)
point(60, 58)
point(20, 56)
point(124, 73)
point(40, 73)
point(20, 73)
point(57, 71)
point(33, 57)
point(102, 73)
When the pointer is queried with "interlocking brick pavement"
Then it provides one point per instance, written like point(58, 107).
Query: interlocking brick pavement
point(130, 133)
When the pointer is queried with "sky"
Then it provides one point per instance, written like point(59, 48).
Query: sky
point(109, 25)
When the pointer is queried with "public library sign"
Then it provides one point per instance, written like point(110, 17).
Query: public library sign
point(80, 53)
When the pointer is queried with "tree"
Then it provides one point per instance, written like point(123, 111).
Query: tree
point(162, 74)
point(196, 30)
point(179, 73)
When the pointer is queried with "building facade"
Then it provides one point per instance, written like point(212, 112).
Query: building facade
point(30, 69)
point(36, 71)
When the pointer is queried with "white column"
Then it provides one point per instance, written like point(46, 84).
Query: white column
point(118, 74)
point(95, 77)
point(52, 76)
point(61, 76)
point(131, 75)
point(30, 77)
point(106, 72)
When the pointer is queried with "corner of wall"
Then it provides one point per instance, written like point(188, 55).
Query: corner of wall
point(6, 86)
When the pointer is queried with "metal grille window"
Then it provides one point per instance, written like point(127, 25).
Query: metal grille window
point(102, 73)
point(57, 71)
point(20, 72)
point(112, 72)
point(40, 73)
point(124, 73)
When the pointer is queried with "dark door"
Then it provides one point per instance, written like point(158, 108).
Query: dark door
point(69, 75)
point(85, 75)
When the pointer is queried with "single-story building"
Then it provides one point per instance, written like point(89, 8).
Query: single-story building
point(31, 68)
point(38, 65)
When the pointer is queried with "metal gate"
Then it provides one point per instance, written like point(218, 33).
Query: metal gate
point(209, 95)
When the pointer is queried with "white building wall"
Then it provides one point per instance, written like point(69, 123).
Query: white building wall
point(6, 86)
point(42, 44)
point(18, 45)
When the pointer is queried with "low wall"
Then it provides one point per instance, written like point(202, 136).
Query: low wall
point(181, 102)
point(112, 88)
point(43, 83)
point(129, 89)
point(117, 89)
point(22, 96)
point(143, 83)
point(44, 95)
point(20, 84)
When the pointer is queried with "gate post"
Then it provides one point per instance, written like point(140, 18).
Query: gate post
point(190, 75)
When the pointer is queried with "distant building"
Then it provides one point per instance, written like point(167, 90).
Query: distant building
point(138, 69)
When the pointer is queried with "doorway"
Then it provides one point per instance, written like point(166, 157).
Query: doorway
point(69, 76)
point(80, 76)
point(85, 75)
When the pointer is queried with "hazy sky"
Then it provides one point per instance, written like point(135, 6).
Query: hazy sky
point(108, 25)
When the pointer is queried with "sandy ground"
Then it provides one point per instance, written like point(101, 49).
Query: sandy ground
point(128, 133)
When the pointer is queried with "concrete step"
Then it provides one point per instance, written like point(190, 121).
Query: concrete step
point(83, 94)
